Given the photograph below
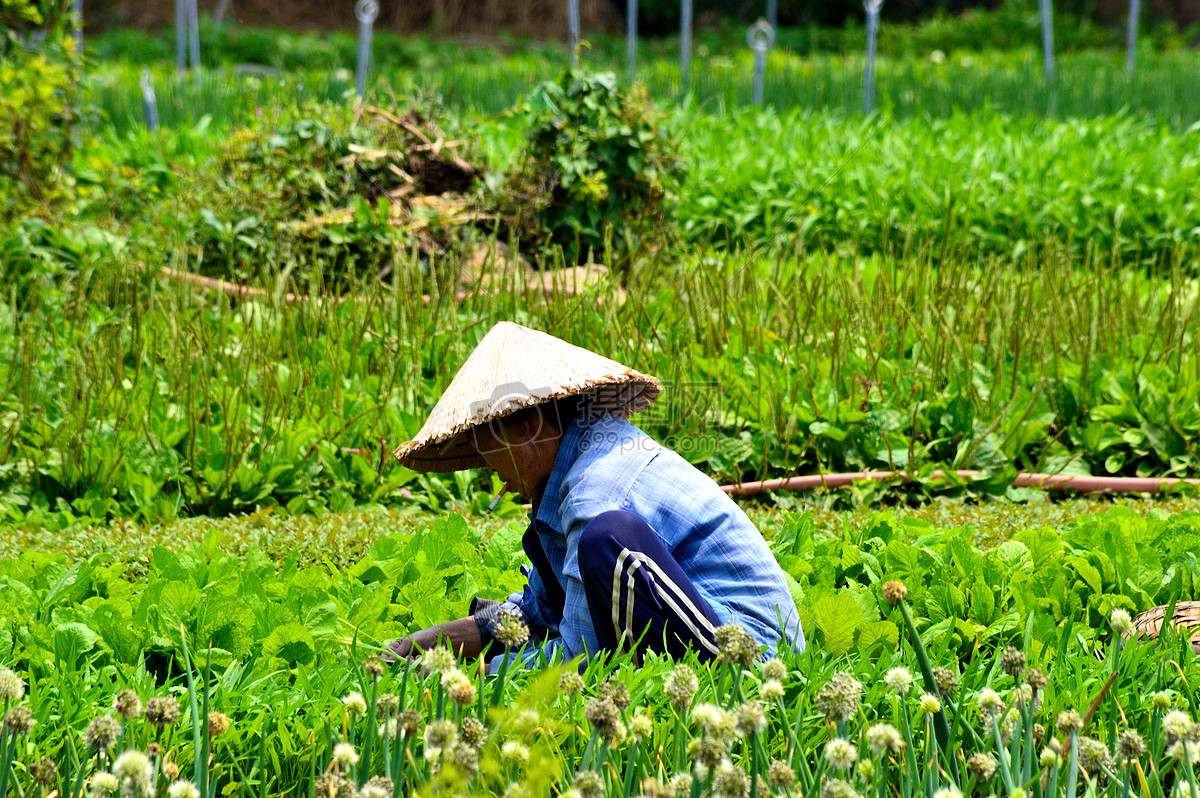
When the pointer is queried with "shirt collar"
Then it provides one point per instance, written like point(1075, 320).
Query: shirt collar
point(546, 510)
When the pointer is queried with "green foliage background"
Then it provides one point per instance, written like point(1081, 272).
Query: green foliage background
point(595, 172)
point(992, 273)
point(277, 644)
point(38, 105)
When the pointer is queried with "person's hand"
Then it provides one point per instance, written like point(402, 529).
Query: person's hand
point(397, 650)
point(462, 636)
point(411, 647)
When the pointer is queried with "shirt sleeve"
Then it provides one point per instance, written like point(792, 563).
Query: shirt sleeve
point(576, 629)
point(531, 603)
point(576, 635)
point(531, 656)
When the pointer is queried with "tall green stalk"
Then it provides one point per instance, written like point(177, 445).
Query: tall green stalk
point(1002, 755)
point(940, 725)
point(368, 743)
point(1073, 766)
point(200, 764)
point(7, 747)
point(498, 688)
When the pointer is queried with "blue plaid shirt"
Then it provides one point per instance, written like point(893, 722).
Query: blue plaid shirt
point(607, 463)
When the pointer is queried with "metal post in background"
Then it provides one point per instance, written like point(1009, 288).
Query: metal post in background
point(181, 28)
point(1047, 38)
point(193, 34)
point(366, 11)
point(631, 37)
point(685, 41)
point(78, 8)
point(573, 26)
point(760, 37)
point(773, 14)
point(1131, 41)
point(873, 8)
point(149, 101)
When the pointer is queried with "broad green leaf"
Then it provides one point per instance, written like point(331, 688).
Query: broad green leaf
point(1015, 556)
point(1044, 544)
point(851, 556)
point(838, 618)
point(795, 536)
point(883, 525)
point(1009, 622)
point(216, 658)
point(879, 632)
point(903, 563)
point(292, 644)
point(71, 641)
point(1086, 571)
point(983, 602)
point(945, 600)
point(504, 548)
point(321, 619)
point(118, 633)
point(867, 600)
point(177, 601)
point(367, 572)
point(935, 631)
point(72, 586)
point(794, 588)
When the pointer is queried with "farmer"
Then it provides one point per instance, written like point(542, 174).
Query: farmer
point(631, 547)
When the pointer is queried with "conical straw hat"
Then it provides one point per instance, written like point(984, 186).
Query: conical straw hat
point(513, 368)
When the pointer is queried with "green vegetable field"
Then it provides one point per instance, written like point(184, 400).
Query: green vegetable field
point(215, 333)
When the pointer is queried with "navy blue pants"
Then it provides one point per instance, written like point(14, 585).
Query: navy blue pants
point(638, 596)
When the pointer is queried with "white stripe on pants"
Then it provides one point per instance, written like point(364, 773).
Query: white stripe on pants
point(628, 562)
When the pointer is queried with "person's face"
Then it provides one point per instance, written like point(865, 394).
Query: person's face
point(521, 450)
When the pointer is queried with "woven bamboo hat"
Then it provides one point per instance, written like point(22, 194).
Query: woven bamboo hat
point(1185, 618)
point(513, 368)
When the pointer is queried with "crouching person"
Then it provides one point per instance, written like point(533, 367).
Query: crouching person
point(631, 548)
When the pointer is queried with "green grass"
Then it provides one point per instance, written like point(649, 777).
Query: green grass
point(1087, 84)
point(339, 540)
point(275, 646)
point(832, 294)
point(197, 498)
point(972, 184)
point(1012, 26)
point(175, 402)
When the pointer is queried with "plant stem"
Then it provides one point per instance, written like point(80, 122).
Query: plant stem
point(1002, 755)
point(1073, 766)
point(940, 726)
point(631, 767)
point(198, 745)
point(7, 746)
point(369, 738)
point(1028, 742)
point(498, 690)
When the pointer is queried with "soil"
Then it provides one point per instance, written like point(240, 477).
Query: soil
point(1183, 12)
point(537, 19)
